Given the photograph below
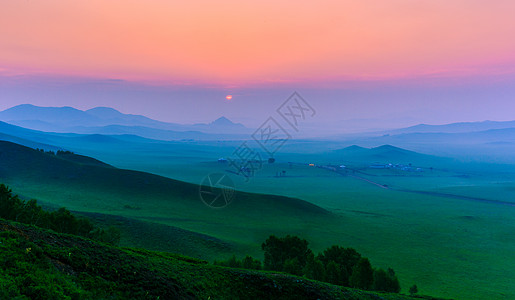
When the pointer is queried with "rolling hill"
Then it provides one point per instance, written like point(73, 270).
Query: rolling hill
point(86, 185)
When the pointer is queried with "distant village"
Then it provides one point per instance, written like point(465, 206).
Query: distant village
point(338, 168)
point(407, 168)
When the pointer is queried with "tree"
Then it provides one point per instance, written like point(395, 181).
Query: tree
point(347, 258)
point(334, 273)
point(232, 262)
point(11, 207)
point(34, 214)
point(251, 263)
point(362, 275)
point(413, 290)
point(62, 220)
point(386, 281)
point(292, 266)
point(111, 235)
point(279, 250)
point(314, 268)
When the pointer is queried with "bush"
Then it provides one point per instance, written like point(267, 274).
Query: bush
point(413, 290)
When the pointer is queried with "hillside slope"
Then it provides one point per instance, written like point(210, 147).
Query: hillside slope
point(22, 162)
point(42, 264)
point(94, 188)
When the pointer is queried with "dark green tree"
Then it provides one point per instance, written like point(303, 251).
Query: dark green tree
point(62, 220)
point(362, 275)
point(279, 250)
point(386, 281)
point(334, 273)
point(232, 262)
point(11, 207)
point(292, 266)
point(314, 268)
point(111, 235)
point(346, 258)
point(250, 263)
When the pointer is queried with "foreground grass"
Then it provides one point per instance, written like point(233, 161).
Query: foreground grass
point(41, 264)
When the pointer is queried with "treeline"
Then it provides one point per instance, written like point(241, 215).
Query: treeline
point(336, 265)
point(62, 221)
point(59, 152)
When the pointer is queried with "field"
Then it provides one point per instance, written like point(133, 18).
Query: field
point(449, 230)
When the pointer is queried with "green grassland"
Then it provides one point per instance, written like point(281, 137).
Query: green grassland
point(449, 246)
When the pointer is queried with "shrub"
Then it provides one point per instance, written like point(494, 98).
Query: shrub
point(413, 289)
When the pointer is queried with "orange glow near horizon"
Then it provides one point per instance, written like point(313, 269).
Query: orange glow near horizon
point(239, 42)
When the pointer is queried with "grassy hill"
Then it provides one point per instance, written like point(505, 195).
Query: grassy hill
point(41, 264)
point(86, 185)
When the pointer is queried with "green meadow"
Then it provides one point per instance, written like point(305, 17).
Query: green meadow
point(449, 230)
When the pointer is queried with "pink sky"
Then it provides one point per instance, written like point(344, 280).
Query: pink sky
point(238, 43)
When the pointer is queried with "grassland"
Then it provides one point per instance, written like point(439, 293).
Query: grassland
point(449, 247)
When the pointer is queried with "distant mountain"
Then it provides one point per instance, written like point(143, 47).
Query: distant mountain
point(107, 113)
point(383, 154)
point(26, 142)
point(48, 140)
point(492, 145)
point(456, 127)
point(221, 125)
point(222, 121)
point(68, 119)
point(146, 132)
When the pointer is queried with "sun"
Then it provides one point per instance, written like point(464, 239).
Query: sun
point(228, 97)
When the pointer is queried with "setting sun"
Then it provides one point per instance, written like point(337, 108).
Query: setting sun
point(228, 97)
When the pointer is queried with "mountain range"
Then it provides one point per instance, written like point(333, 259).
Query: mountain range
point(460, 127)
point(105, 120)
point(488, 141)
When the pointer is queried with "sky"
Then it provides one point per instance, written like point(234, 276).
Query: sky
point(385, 63)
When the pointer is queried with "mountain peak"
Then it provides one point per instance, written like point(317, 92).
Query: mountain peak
point(354, 147)
point(102, 108)
point(387, 147)
point(31, 107)
point(104, 112)
point(222, 121)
